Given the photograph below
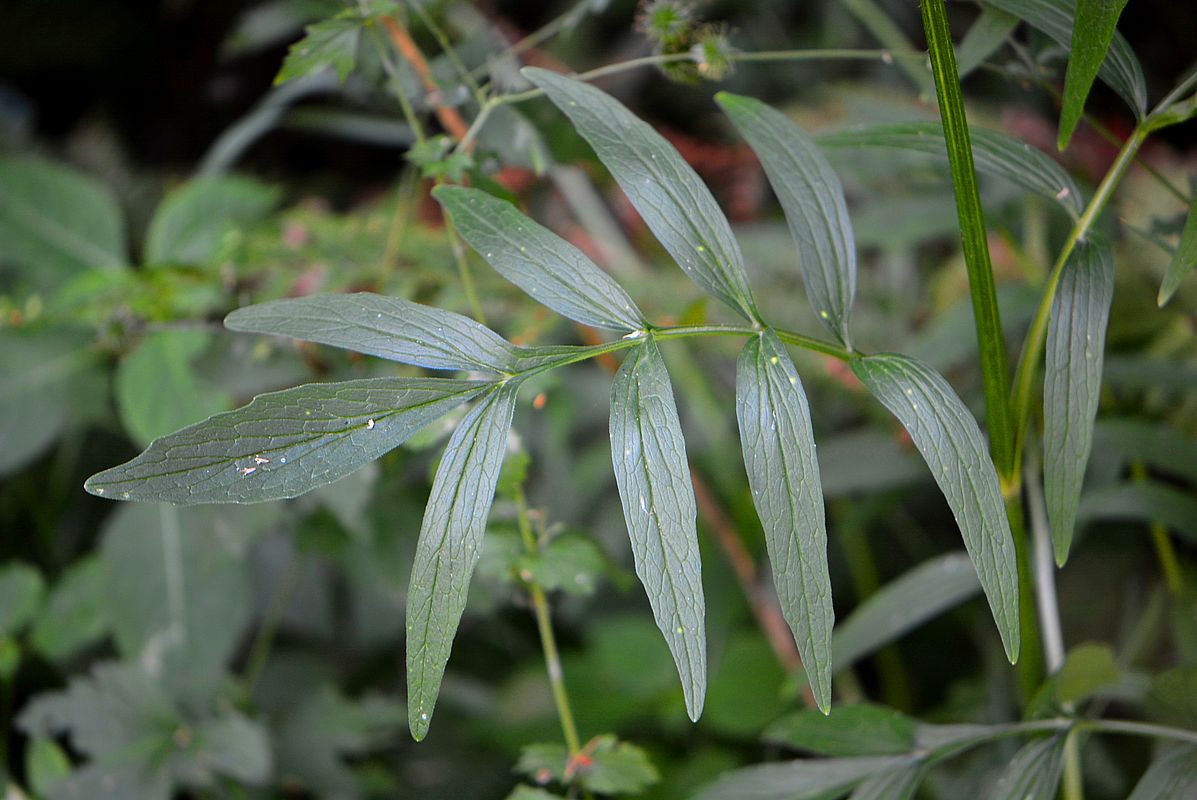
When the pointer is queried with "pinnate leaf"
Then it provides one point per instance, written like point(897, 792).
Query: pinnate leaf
point(653, 476)
point(1183, 259)
point(387, 327)
point(1033, 773)
point(540, 262)
point(946, 434)
point(449, 545)
point(284, 443)
point(671, 198)
point(779, 454)
point(898, 784)
point(1072, 382)
point(813, 201)
point(1093, 29)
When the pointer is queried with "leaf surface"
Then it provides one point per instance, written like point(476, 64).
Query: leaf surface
point(1076, 338)
point(853, 730)
point(898, 784)
point(779, 455)
point(328, 44)
point(813, 201)
point(800, 780)
point(946, 434)
point(191, 222)
point(540, 262)
point(449, 545)
point(1144, 502)
point(387, 327)
point(1172, 776)
point(1093, 30)
point(988, 33)
point(673, 201)
point(284, 443)
point(1183, 259)
point(22, 591)
point(653, 475)
point(1033, 773)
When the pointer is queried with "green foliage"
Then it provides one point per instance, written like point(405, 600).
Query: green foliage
point(191, 223)
point(1093, 29)
point(1183, 259)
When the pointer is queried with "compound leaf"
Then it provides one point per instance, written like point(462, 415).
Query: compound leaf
point(946, 434)
point(779, 454)
point(328, 43)
point(1093, 29)
point(671, 198)
point(653, 476)
point(449, 545)
point(1033, 773)
point(284, 443)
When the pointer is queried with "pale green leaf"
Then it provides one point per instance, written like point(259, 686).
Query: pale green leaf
point(649, 455)
point(449, 545)
point(853, 730)
point(994, 153)
point(329, 44)
point(540, 262)
point(1144, 502)
point(899, 784)
point(388, 327)
point(75, 614)
point(56, 221)
point(801, 780)
point(1172, 776)
point(22, 592)
point(1087, 668)
point(284, 443)
point(945, 432)
point(1033, 773)
point(1183, 259)
point(1076, 338)
point(190, 224)
point(671, 198)
point(1093, 30)
point(45, 764)
point(813, 201)
point(988, 33)
point(1120, 69)
point(779, 455)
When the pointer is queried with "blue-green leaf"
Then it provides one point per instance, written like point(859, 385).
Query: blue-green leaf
point(284, 443)
point(540, 262)
point(653, 475)
point(449, 545)
point(813, 201)
point(801, 780)
point(388, 327)
point(1172, 776)
point(1072, 382)
point(673, 201)
point(1120, 70)
point(987, 34)
point(779, 454)
point(1183, 259)
point(1144, 502)
point(994, 153)
point(898, 784)
point(1033, 773)
point(946, 434)
point(1093, 29)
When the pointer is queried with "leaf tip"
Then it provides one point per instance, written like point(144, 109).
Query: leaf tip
point(1164, 296)
point(418, 724)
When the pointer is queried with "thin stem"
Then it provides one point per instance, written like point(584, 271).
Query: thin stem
point(544, 625)
point(1131, 728)
point(388, 66)
point(537, 37)
point(462, 259)
point(450, 52)
point(259, 651)
point(1165, 552)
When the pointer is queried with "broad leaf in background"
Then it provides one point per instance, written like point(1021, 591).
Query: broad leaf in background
point(1093, 29)
point(813, 201)
point(1033, 773)
point(387, 327)
point(649, 455)
point(550, 269)
point(946, 434)
point(56, 221)
point(779, 455)
point(903, 604)
point(673, 201)
point(22, 592)
point(801, 780)
point(1120, 69)
point(1183, 259)
point(854, 730)
point(1159, 446)
point(990, 31)
point(191, 223)
point(449, 545)
point(1076, 339)
point(898, 784)
point(284, 443)
point(1144, 502)
point(1172, 776)
point(75, 614)
point(994, 153)
point(156, 387)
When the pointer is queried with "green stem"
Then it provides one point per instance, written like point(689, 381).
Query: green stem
point(1030, 660)
point(1165, 552)
point(994, 367)
point(548, 642)
point(1131, 728)
point(388, 66)
point(450, 52)
point(260, 649)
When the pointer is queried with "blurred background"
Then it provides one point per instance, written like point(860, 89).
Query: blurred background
point(154, 176)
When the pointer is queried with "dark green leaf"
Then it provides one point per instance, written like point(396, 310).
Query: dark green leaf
point(617, 768)
point(1120, 69)
point(745, 686)
point(540, 262)
point(779, 454)
point(331, 43)
point(1033, 773)
point(1172, 776)
point(1093, 30)
point(988, 33)
point(1087, 668)
point(388, 327)
point(813, 201)
point(191, 223)
point(1143, 502)
point(649, 455)
point(946, 434)
point(22, 591)
point(674, 202)
point(800, 780)
point(284, 443)
point(568, 563)
point(1157, 445)
point(76, 613)
point(449, 545)
point(1076, 339)
point(57, 221)
point(543, 762)
point(994, 153)
point(921, 594)
point(1183, 259)
point(1172, 698)
point(855, 730)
